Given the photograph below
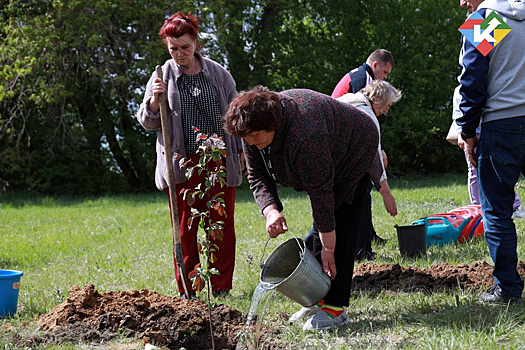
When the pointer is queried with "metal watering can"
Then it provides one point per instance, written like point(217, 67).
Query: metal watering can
point(293, 271)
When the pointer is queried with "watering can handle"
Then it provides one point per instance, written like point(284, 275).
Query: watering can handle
point(268, 240)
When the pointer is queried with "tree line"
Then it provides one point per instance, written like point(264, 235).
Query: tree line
point(73, 73)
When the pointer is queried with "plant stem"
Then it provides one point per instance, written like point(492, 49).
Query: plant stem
point(209, 316)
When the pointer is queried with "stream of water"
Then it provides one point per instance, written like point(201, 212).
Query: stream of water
point(260, 298)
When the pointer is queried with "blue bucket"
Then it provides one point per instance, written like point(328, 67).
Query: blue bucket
point(9, 287)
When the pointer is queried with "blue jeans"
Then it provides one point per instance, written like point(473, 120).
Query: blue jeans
point(501, 158)
point(472, 183)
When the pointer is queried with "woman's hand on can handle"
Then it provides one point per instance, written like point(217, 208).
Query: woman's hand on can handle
point(275, 222)
point(327, 253)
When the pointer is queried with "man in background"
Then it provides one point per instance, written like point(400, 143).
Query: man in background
point(377, 66)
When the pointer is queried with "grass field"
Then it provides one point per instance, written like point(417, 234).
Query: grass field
point(124, 243)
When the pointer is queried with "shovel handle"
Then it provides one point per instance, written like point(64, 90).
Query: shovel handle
point(166, 137)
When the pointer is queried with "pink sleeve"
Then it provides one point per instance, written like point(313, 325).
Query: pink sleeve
point(342, 86)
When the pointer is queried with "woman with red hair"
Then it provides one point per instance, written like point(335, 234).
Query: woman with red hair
point(198, 91)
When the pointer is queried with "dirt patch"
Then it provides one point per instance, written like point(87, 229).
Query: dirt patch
point(375, 278)
point(91, 316)
point(94, 317)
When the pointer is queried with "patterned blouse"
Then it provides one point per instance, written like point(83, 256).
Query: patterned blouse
point(199, 108)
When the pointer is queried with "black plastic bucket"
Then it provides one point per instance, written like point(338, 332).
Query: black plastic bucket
point(412, 239)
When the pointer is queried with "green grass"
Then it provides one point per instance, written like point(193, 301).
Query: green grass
point(124, 243)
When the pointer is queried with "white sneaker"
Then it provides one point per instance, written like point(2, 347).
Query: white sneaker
point(518, 213)
point(304, 313)
point(321, 320)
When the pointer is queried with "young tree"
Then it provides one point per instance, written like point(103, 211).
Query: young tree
point(212, 151)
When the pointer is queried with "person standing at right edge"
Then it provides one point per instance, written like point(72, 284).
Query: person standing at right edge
point(472, 173)
point(492, 90)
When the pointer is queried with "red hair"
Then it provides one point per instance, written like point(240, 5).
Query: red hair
point(178, 25)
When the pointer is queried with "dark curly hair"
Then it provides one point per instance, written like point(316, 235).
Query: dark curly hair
point(254, 110)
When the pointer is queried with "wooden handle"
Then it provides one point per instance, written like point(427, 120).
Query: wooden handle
point(165, 122)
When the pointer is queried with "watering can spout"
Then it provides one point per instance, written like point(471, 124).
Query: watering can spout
point(464, 223)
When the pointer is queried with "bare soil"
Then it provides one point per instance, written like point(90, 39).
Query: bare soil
point(157, 319)
point(377, 278)
point(90, 316)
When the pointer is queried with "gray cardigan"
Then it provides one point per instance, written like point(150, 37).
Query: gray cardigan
point(223, 81)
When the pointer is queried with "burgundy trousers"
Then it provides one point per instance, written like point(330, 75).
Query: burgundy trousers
point(225, 262)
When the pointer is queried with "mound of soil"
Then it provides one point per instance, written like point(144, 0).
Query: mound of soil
point(90, 316)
